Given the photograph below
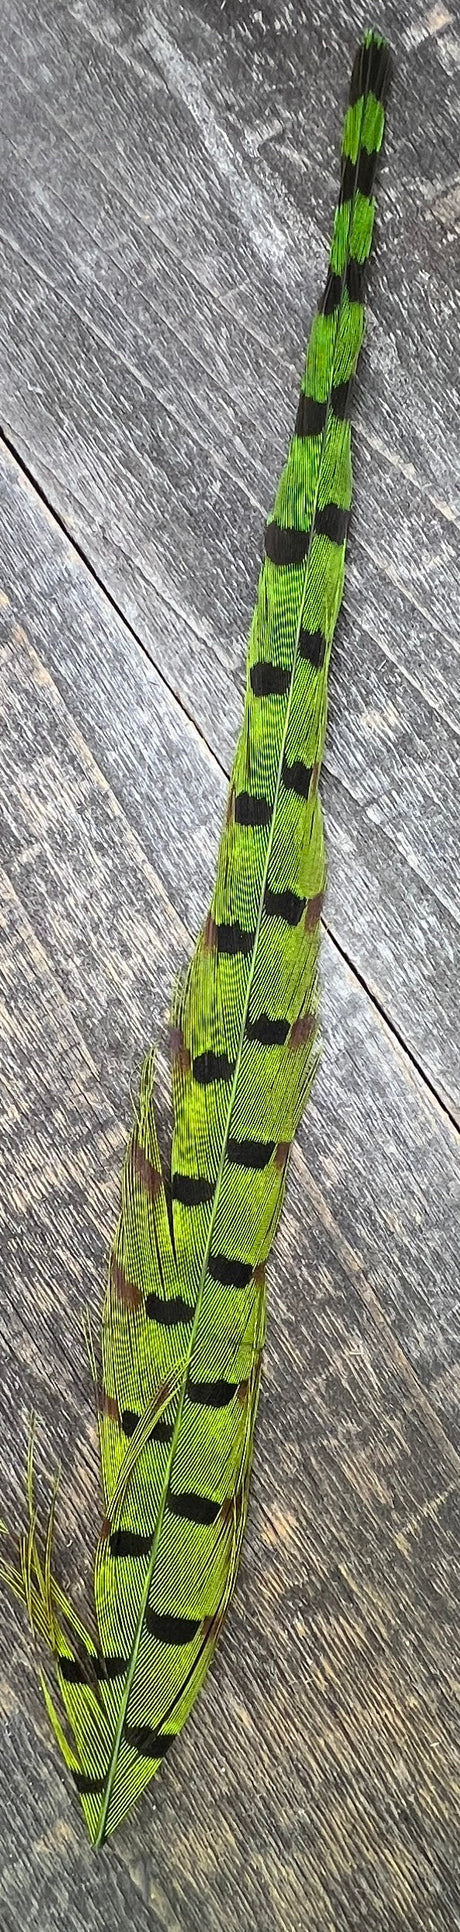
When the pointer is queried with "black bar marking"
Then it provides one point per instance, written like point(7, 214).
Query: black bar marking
point(255, 1154)
point(331, 297)
point(126, 1542)
point(379, 71)
point(169, 1629)
point(191, 1190)
point(357, 82)
point(357, 177)
point(332, 522)
point(129, 1421)
point(108, 1668)
point(72, 1671)
point(297, 777)
point(341, 399)
point(161, 1432)
point(147, 1742)
point(267, 1032)
point(233, 940)
point(366, 171)
point(209, 1066)
point(371, 70)
point(311, 416)
point(312, 646)
point(285, 546)
point(168, 1311)
point(348, 178)
point(252, 811)
point(284, 905)
point(375, 71)
point(230, 1272)
point(89, 1786)
point(195, 1508)
point(269, 680)
point(211, 1395)
point(355, 280)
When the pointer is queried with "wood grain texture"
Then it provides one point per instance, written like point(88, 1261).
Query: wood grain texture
point(168, 175)
point(167, 178)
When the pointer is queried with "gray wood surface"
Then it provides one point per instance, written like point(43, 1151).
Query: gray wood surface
point(167, 180)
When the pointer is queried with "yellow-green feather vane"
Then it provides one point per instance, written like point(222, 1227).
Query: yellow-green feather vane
point(184, 1316)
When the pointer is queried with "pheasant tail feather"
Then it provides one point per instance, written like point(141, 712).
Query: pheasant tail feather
point(184, 1316)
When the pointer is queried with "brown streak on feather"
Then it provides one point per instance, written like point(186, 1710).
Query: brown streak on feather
point(166, 1390)
point(179, 1050)
point(228, 1509)
point(108, 1406)
point(148, 1175)
point(230, 812)
point(127, 1291)
point(302, 1030)
point(211, 1626)
point(259, 1275)
point(209, 934)
point(281, 1154)
point(313, 912)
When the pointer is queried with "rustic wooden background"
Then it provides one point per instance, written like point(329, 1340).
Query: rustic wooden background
point(168, 174)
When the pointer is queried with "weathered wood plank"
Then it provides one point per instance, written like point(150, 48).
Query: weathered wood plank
point(317, 1784)
point(158, 294)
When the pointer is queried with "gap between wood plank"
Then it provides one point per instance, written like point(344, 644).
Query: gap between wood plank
point(58, 520)
point(94, 574)
point(442, 1102)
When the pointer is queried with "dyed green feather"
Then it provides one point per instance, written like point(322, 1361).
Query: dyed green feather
point(184, 1316)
